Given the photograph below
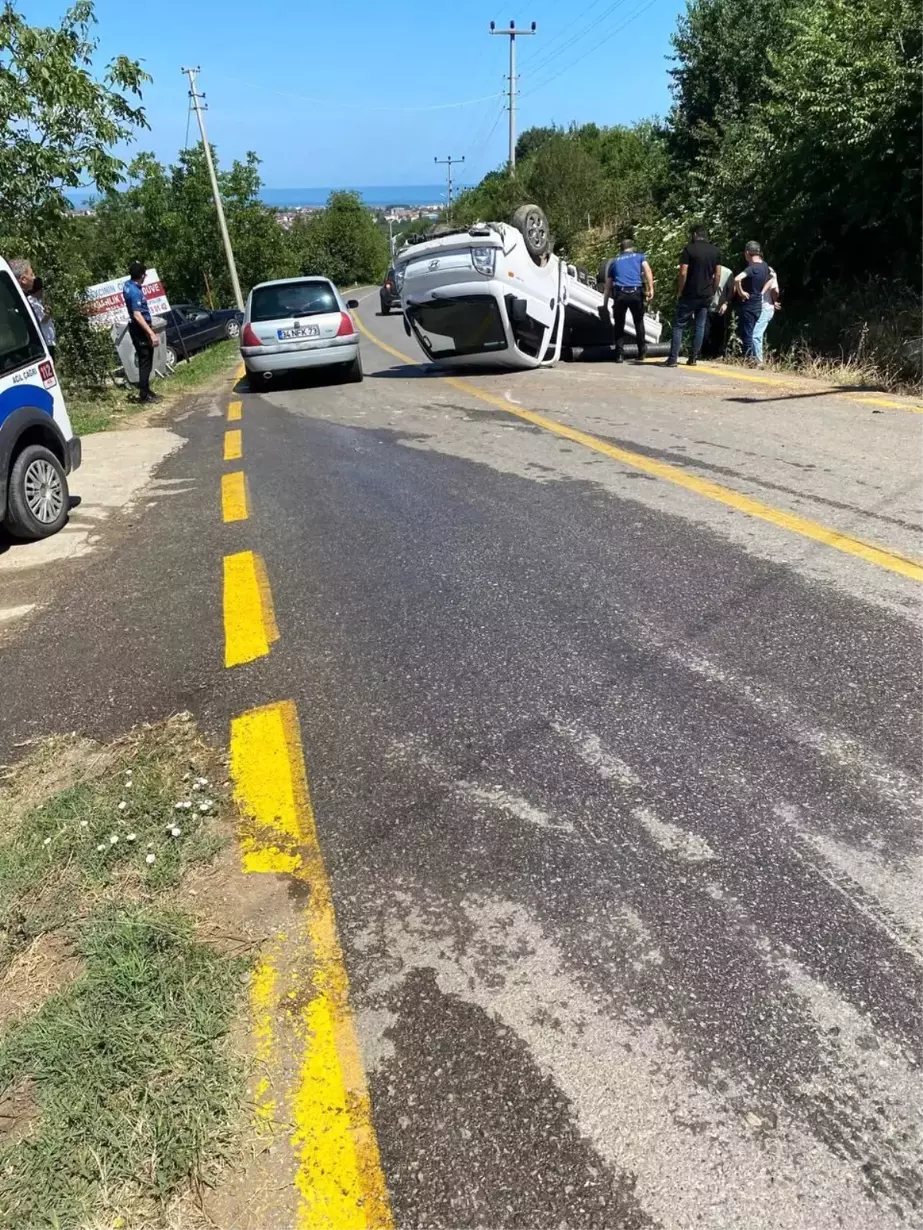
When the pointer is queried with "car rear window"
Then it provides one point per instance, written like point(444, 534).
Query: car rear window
point(292, 299)
point(19, 339)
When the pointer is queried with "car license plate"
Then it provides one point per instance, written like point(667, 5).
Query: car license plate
point(299, 333)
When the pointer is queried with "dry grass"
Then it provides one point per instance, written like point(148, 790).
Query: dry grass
point(120, 1093)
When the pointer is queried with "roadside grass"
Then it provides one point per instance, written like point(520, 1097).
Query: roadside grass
point(119, 1089)
point(94, 410)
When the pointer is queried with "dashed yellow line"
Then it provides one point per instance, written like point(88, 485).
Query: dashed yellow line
point(233, 444)
point(235, 409)
point(249, 622)
point(882, 557)
point(234, 496)
point(339, 1178)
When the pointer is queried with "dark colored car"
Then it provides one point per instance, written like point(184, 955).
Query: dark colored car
point(191, 328)
point(388, 294)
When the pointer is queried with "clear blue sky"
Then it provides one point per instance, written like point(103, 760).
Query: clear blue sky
point(315, 87)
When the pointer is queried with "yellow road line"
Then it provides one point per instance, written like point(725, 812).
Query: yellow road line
point(883, 557)
point(235, 409)
point(234, 496)
point(339, 1177)
point(233, 444)
point(240, 371)
point(249, 622)
point(882, 401)
point(734, 373)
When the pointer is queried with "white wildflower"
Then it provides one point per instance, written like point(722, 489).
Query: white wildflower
point(47, 841)
point(132, 837)
point(122, 805)
point(113, 839)
point(175, 831)
point(149, 858)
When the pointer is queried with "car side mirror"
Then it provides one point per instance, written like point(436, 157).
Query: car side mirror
point(352, 303)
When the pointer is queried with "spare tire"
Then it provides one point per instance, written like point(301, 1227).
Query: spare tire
point(532, 224)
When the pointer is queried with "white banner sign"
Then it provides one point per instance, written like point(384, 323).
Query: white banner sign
point(106, 303)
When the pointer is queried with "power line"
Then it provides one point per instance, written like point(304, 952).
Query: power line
point(512, 34)
point(448, 163)
point(367, 107)
point(566, 68)
point(551, 51)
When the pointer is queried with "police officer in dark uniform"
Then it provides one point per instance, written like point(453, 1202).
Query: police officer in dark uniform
point(630, 285)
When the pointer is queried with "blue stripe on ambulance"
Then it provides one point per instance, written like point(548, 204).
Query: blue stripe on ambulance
point(20, 395)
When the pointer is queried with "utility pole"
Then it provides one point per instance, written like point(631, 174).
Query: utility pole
point(448, 163)
point(511, 35)
point(222, 224)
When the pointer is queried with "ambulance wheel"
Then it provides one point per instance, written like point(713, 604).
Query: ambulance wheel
point(532, 224)
point(37, 498)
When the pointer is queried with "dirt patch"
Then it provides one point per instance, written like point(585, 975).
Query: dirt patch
point(18, 1112)
point(44, 968)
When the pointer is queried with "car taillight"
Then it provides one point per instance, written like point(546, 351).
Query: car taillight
point(248, 337)
point(346, 325)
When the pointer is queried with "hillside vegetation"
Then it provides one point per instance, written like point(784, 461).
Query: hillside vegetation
point(795, 122)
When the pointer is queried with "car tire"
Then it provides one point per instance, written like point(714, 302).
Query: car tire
point(37, 501)
point(253, 379)
point(532, 224)
point(354, 373)
point(232, 328)
point(170, 358)
point(385, 308)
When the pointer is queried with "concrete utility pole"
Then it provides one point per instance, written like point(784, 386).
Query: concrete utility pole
point(448, 163)
point(222, 224)
point(511, 35)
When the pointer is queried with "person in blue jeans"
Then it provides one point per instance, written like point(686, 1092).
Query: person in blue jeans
point(756, 291)
point(699, 278)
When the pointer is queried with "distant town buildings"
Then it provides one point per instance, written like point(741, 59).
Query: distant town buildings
point(394, 213)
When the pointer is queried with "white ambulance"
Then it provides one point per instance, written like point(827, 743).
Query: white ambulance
point(38, 448)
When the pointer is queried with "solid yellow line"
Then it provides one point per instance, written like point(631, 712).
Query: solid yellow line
point(240, 371)
point(883, 401)
point(233, 445)
point(235, 408)
point(234, 496)
point(734, 373)
point(339, 1177)
point(249, 622)
point(883, 557)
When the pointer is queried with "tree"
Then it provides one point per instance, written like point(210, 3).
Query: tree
point(341, 242)
point(166, 217)
point(59, 124)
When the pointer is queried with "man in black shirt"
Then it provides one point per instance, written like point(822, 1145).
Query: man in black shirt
point(699, 278)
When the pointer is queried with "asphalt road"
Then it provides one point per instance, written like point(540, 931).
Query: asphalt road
point(615, 773)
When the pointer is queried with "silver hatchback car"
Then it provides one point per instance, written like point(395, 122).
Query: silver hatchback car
point(296, 323)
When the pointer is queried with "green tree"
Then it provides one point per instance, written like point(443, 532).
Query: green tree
point(58, 124)
point(341, 242)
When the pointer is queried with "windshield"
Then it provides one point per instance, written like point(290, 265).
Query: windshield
point(19, 340)
point(447, 327)
point(286, 299)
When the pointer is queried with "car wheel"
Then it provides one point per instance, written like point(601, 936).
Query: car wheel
point(532, 224)
point(232, 328)
point(37, 496)
point(169, 358)
point(253, 379)
point(354, 371)
point(385, 308)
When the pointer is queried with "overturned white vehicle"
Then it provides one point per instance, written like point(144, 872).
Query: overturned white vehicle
point(494, 294)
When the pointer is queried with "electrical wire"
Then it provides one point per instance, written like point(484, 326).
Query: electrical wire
point(583, 55)
point(551, 51)
point(325, 102)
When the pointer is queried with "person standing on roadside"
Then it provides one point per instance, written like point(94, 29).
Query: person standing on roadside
point(630, 285)
point(22, 272)
point(756, 290)
point(46, 321)
point(142, 334)
point(699, 278)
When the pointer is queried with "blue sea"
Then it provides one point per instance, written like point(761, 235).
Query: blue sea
point(381, 197)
